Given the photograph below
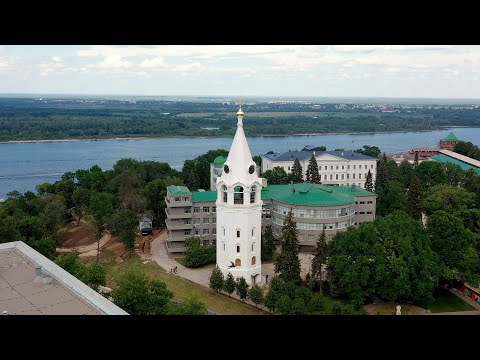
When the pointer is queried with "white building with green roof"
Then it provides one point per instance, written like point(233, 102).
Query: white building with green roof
point(314, 206)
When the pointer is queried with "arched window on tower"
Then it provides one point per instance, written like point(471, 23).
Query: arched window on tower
point(224, 189)
point(253, 192)
point(238, 262)
point(253, 260)
point(238, 195)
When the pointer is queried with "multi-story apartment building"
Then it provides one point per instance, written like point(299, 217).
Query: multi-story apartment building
point(343, 168)
point(314, 207)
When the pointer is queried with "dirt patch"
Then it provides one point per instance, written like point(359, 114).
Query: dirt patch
point(81, 235)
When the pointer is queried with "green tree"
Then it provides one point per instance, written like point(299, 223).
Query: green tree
point(431, 173)
point(95, 275)
point(287, 263)
point(190, 176)
point(451, 241)
point(242, 288)
point(53, 214)
point(216, 279)
point(229, 284)
point(8, 230)
point(449, 198)
point(155, 193)
point(72, 264)
point(192, 306)
point(381, 179)
point(198, 255)
point(390, 257)
point(406, 173)
point(316, 305)
point(127, 186)
point(369, 182)
point(392, 197)
point(258, 161)
point(45, 246)
point(268, 244)
point(101, 207)
point(256, 295)
point(415, 161)
point(320, 256)
point(312, 175)
point(202, 164)
point(137, 294)
point(277, 176)
point(298, 307)
point(81, 197)
point(124, 224)
point(297, 172)
point(66, 188)
point(467, 149)
point(283, 305)
point(414, 205)
point(372, 151)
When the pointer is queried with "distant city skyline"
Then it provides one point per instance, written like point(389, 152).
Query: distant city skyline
point(378, 71)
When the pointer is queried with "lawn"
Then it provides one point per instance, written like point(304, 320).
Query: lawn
point(447, 302)
point(184, 289)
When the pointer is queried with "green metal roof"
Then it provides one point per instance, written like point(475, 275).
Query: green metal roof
point(219, 161)
point(305, 194)
point(451, 137)
point(204, 196)
point(176, 190)
point(313, 194)
point(447, 159)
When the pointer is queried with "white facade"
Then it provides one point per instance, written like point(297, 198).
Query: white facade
point(239, 212)
point(214, 174)
point(333, 170)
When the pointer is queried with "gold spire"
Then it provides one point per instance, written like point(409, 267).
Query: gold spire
point(240, 112)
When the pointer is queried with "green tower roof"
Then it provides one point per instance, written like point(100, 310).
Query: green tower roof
point(451, 137)
point(219, 161)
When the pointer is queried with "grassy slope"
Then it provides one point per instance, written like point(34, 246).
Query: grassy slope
point(184, 289)
point(447, 302)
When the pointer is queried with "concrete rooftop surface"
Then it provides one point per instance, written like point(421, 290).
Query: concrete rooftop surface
point(54, 292)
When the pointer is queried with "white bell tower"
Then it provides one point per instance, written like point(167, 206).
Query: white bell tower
point(239, 212)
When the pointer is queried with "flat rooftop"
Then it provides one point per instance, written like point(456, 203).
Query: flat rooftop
point(55, 292)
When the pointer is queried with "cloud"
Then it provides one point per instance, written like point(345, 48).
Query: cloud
point(157, 62)
point(51, 67)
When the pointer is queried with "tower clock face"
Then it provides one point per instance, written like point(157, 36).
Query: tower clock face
point(251, 169)
point(226, 169)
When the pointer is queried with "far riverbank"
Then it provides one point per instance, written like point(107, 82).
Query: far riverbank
point(226, 136)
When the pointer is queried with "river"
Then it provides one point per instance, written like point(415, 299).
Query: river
point(24, 165)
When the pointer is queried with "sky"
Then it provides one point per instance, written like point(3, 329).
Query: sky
point(411, 71)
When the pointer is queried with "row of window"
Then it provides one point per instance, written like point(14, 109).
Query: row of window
point(197, 221)
point(363, 202)
point(314, 214)
point(310, 226)
point(200, 232)
point(337, 167)
point(363, 213)
point(207, 242)
point(205, 209)
point(180, 198)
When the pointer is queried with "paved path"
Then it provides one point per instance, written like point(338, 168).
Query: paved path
point(86, 248)
point(160, 256)
point(201, 275)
